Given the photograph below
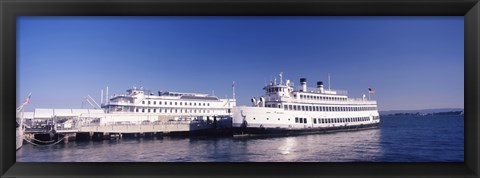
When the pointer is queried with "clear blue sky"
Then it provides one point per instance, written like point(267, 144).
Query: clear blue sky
point(412, 62)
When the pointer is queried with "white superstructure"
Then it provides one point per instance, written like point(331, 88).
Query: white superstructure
point(151, 107)
point(283, 109)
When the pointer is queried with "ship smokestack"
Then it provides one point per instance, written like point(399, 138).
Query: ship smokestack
point(303, 83)
point(320, 86)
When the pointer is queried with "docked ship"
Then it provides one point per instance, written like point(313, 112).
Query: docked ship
point(140, 106)
point(283, 110)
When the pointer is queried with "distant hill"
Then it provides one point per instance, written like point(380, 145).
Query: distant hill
point(422, 111)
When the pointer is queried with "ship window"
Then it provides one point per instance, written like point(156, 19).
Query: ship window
point(148, 110)
point(180, 103)
point(278, 118)
point(314, 121)
point(208, 104)
point(143, 102)
point(305, 120)
point(285, 107)
point(148, 102)
point(136, 110)
point(296, 120)
point(195, 104)
point(143, 110)
point(267, 118)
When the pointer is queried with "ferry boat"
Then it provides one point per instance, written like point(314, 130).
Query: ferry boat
point(283, 110)
point(140, 106)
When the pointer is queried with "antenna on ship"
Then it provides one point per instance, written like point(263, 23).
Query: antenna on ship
point(329, 81)
point(101, 96)
point(106, 97)
point(233, 90)
point(281, 78)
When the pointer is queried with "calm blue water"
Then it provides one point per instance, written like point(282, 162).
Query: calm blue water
point(399, 139)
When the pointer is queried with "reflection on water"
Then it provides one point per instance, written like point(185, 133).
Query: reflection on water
point(343, 146)
point(397, 139)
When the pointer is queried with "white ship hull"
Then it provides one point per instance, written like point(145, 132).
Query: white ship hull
point(262, 120)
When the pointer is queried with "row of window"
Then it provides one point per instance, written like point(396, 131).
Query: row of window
point(332, 120)
point(324, 98)
point(324, 108)
point(171, 110)
point(275, 89)
point(176, 103)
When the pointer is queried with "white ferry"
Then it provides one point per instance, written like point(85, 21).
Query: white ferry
point(141, 106)
point(283, 110)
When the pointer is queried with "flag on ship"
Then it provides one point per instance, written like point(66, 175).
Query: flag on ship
point(27, 101)
point(371, 91)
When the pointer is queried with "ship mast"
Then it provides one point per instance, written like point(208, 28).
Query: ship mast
point(329, 82)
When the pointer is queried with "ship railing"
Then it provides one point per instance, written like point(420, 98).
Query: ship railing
point(360, 101)
point(348, 101)
point(325, 91)
point(137, 123)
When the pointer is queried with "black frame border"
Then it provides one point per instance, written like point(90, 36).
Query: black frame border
point(10, 9)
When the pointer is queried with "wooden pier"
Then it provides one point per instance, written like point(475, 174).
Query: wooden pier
point(91, 131)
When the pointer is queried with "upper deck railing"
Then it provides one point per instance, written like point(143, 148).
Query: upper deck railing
point(325, 91)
